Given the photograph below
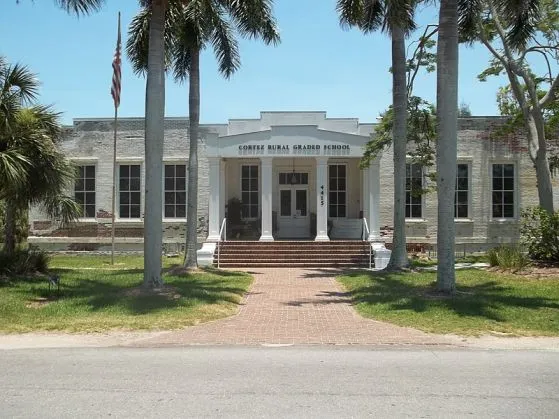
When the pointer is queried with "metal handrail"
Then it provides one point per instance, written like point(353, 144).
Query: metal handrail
point(222, 233)
point(366, 233)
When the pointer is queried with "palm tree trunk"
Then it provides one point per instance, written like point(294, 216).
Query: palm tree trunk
point(10, 229)
point(194, 120)
point(447, 113)
point(155, 119)
point(399, 257)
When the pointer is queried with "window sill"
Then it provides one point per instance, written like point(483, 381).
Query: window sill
point(174, 220)
point(416, 220)
point(89, 220)
point(503, 220)
point(129, 220)
point(463, 220)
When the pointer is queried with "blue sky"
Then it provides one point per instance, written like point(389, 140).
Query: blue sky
point(318, 66)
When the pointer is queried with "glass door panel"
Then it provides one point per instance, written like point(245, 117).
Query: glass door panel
point(301, 202)
point(285, 203)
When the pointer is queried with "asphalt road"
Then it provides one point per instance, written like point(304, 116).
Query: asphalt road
point(278, 382)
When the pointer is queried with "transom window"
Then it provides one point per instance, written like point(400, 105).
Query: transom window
point(462, 190)
point(175, 191)
point(293, 178)
point(414, 188)
point(129, 191)
point(249, 191)
point(337, 199)
point(84, 190)
point(503, 191)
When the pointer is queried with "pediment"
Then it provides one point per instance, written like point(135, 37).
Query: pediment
point(292, 141)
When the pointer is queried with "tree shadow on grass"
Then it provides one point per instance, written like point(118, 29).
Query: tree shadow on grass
point(101, 292)
point(484, 300)
point(177, 270)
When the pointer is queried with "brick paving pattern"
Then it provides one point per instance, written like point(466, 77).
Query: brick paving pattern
point(295, 306)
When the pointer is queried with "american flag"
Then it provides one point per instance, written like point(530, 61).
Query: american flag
point(115, 89)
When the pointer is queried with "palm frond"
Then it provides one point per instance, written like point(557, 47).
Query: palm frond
point(253, 19)
point(350, 12)
point(62, 208)
point(521, 17)
point(20, 81)
point(399, 13)
point(225, 45)
point(45, 118)
point(13, 171)
point(80, 7)
point(137, 44)
point(373, 15)
point(468, 18)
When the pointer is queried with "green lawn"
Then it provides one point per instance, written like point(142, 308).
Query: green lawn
point(107, 297)
point(486, 302)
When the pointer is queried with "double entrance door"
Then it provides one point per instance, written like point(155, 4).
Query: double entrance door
point(294, 218)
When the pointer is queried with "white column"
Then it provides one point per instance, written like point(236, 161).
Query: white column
point(266, 168)
point(222, 191)
point(214, 181)
point(322, 199)
point(374, 200)
point(365, 193)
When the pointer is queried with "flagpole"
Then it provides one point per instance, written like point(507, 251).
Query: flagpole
point(115, 91)
point(114, 191)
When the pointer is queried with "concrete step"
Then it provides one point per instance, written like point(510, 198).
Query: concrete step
point(290, 255)
point(300, 253)
point(354, 258)
point(291, 265)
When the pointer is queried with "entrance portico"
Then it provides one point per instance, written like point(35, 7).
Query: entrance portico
point(293, 182)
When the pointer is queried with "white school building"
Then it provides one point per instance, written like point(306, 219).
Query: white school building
point(286, 176)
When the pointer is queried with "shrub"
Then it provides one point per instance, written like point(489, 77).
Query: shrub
point(539, 232)
point(508, 257)
point(23, 262)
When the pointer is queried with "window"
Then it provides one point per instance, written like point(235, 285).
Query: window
point(175, 191)
point(293, 178)
point(129, 191)
point(503, 191)
point(337, 190)
point(462, 190)
point(414, 188)
point(84, 190)
point(249, 191)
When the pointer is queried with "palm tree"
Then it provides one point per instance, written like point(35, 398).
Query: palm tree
point(154, 134)
point(396, 18)
point(447, 114)
point(32, 170)
point(461, 16)
point(189, 29)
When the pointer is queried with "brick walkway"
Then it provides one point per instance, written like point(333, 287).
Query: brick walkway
point(295, 306)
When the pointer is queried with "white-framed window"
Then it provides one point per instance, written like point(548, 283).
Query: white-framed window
point(502, 190)
point(129, 189)
point(249, 191)
point(414, 189)
point(175, 191)
point(462, 194)
point(337, 190)
point(84, 189)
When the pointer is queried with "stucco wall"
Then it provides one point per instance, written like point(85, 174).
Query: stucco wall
point(91, 142)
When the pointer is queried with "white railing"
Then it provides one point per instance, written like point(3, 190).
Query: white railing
point(365, 237)
point(222, 233)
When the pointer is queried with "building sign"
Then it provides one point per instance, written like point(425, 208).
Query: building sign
point(295, 149)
